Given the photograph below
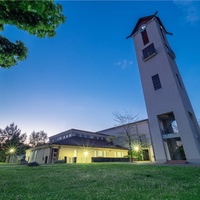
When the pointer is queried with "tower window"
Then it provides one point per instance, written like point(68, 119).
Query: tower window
point(149, 52)
point(144, 37)
point(179, 81)
point(156, 82)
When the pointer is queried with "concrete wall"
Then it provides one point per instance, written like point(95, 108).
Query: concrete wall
point(172, 97)
point(138, 129)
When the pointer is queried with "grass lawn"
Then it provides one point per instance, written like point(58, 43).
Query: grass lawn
point(101, 181)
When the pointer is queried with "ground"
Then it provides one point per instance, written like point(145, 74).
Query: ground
point(102, 181)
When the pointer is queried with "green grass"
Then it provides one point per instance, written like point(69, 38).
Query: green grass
point(121, 181)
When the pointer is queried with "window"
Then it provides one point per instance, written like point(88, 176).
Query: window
point(179, 81)
point(149, 52)
point(77, 135)
point(143, 139)
point(75, 152)
point(100, 153)
point(144, 37)
point(170, 52)
point(156, 82)
point(119, 155)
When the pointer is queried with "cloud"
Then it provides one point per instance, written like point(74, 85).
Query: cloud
point(123, 63)
point(190, 10)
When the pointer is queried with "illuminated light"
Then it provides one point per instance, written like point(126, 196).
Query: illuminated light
point(136, 148)
point(12, 150)
point(85, 153)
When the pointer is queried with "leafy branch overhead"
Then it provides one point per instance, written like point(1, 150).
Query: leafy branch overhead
point(39, 18)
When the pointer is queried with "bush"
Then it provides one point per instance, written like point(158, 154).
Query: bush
point(59, 161)
point(32, 164)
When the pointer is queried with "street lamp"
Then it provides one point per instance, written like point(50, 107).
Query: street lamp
point(137, 149)
point(12, 150)
point(85, 153)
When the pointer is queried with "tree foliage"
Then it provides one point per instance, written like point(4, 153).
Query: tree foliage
point(38, 138)
point(11, 137)
point(38, 17)
point(11, 53)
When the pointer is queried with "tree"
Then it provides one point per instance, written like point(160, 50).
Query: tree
point(129, 135)
point(38, 17)
point(38, 138)
point(12, 138)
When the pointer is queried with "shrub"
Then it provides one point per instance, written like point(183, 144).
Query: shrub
point(32, 164)
point(59, 161)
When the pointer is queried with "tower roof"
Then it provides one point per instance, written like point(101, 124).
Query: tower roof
point(145, 20)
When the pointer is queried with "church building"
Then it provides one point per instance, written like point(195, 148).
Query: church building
point(171, 131)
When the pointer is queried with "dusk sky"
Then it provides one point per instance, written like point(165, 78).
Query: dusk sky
point(89, 70)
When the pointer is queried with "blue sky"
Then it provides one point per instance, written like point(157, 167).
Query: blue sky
point(89, 70)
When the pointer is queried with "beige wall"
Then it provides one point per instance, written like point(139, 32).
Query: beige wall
point(79, 152)
point(70, 152)
point(38, 155)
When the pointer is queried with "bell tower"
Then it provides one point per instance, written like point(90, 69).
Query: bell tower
point(174, 129)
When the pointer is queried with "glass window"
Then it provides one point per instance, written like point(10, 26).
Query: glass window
point(119, 154)
point(100, 153)
point(149, 52)
point(156, 82)
point(179, 81)
point(144, 37)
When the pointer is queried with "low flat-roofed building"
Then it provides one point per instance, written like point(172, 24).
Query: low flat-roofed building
point(75, 150)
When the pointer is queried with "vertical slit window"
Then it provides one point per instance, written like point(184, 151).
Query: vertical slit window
point(156, 82)
point(145, 37)
point(179, 81)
